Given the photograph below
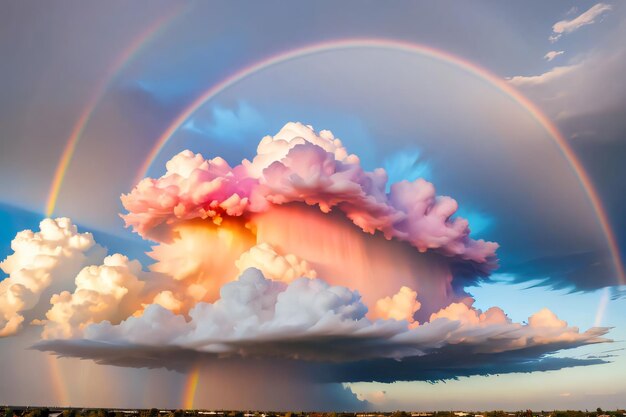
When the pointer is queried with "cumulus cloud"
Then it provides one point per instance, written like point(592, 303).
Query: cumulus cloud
point(402, 306)
point(41, 260)
point(257, 316)
point(586, 18)
point(310, 320)
point(303, 206)
point(375, 397)
point(298, 165)
point(552, 54)
point(168, 300)
point(298, 258)
point(110, 291)
point(274, 266)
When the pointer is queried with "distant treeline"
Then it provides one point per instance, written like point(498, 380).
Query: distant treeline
point(9, 411)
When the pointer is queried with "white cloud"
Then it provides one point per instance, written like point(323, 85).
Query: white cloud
point(375, 397)
point(567, 26)
point(111, 291)
point(582, 96)
point(41, 260)
point(546, 77)
point(552, 54)
point(309, 319)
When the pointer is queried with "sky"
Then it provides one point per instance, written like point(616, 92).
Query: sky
point(414, 206)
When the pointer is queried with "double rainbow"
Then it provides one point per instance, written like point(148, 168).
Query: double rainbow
point(423, 50)
point(120, 62)
point(193, 377)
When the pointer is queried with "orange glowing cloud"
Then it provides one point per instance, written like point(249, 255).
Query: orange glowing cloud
point(298, 165)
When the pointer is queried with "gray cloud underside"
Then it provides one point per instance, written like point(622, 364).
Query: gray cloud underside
point(450, 362)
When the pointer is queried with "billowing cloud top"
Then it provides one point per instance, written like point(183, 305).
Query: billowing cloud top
point(312, 320)
point(298, 165)
point(40, 260)
point(299, 256)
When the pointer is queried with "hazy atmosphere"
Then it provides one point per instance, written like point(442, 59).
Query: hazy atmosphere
point(313, 206)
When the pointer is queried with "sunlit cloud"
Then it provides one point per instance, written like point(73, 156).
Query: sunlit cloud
point(538, 80)
point(588, 17)
point(552, 54)
point(301, 257)
point(41, 261)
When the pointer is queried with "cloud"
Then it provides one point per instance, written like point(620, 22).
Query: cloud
point(374, 397)
point(402, 306)
point(552, 54)
point(450, 362)
point(110, 291)
point(548, 271)
point(303, 260)
point(304, 207)
point(453, 362)
point(284, 268)
point(541, 79)
point(311, 321)
point(319, 332)
point(588, 17)
point(256, 316)
point(41, 261)
point(587, 104)
point(300, 166)
point(588, 89)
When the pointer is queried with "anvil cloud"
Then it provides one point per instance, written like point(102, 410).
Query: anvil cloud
point(310, 320)
point(299, 256)
point(297, 165)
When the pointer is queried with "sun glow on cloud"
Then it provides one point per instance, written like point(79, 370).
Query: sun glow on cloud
point(300, 256)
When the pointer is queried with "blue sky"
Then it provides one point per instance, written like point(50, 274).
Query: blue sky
point(413, 115)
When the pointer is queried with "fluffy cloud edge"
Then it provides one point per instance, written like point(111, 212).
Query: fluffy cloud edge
point(310, 320)
point(42, 260)
point(299, 165)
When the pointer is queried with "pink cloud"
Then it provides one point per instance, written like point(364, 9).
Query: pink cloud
point(298, 165)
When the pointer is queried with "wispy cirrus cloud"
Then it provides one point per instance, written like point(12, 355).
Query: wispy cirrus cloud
point(563, 27)
point(552, 54)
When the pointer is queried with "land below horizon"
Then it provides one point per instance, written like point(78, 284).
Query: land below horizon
point(27, 411)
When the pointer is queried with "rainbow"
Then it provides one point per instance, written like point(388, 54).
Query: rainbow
point(191, 386)
point(423, 50)
point(57, 382)
point(605, 297)
point(68, 152)
point(77, 131)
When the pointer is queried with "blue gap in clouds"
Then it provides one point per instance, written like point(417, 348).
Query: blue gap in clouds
point(230, 126)
point(406, 165)
point(220, 124)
